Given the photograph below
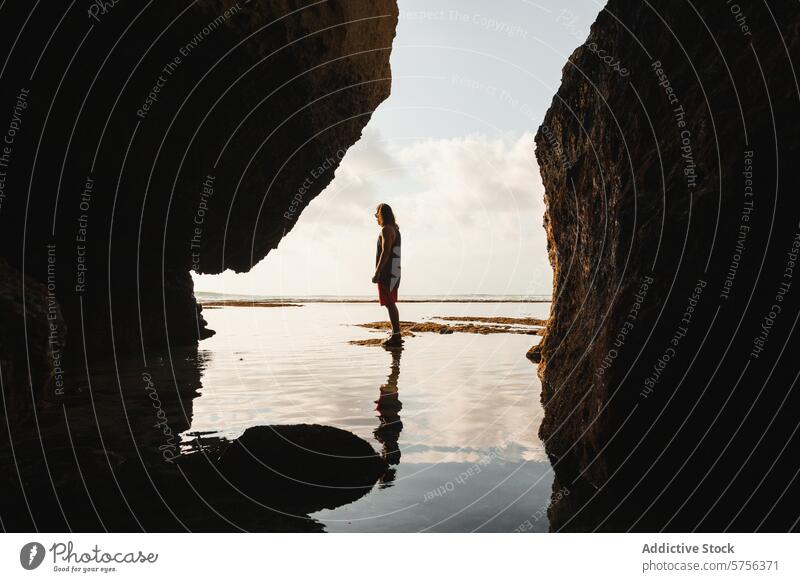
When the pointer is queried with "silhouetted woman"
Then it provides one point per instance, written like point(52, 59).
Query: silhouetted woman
point(387, 269)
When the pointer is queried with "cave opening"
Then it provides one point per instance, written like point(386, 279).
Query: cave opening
point(445, 150)
point(245, 148)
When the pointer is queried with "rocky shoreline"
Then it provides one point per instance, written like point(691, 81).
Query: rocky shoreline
point(474, 325)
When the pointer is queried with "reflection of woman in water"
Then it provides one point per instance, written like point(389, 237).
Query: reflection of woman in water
point(387, 269)
point(388, 407)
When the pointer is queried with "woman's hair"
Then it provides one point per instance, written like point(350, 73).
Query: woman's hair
point(385, 215)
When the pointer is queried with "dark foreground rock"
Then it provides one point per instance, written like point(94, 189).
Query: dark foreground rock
point(310, 465)
point(150, 141)
point(31, 345)
point(669, 159)
point(270, 479)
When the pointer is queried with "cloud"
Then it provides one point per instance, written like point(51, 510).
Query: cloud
point(477, 180)
point(469, 180)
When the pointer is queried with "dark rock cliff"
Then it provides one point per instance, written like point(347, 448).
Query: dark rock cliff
point(140, 142)
point(669, 159)
point(31, 344)
point(152, 140)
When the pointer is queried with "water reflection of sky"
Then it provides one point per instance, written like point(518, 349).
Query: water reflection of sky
point(470, 407)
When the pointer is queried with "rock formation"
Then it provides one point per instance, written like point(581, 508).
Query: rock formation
point(149, 142)
point(31, 344)
point(140, 142)
point(322, 465)
point(669, 162)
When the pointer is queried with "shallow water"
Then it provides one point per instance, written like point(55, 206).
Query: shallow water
point(455, 415)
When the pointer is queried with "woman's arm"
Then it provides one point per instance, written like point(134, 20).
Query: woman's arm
point(387, 242)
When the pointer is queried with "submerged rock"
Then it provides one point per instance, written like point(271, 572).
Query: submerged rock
point(535, 321)
point(672, 221)
point(310, 466)
point(485, 326)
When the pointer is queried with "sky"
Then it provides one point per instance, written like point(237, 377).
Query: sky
point(451, 151)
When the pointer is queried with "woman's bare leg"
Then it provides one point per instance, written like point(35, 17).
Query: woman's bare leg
point(394, 317)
